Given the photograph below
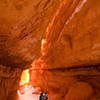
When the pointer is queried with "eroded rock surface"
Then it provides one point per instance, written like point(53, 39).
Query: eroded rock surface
point(22, 27)
point(68, 84)
point(74, 40)
point(69, 67)
point(9, 82)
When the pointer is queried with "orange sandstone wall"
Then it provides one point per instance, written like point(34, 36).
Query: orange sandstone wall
point(69, 68)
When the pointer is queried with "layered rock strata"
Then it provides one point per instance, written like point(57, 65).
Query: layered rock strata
point(9, 82)
point(22, 27)
point(69, 68)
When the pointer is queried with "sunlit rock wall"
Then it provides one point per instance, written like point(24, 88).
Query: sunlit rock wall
point(69, 68)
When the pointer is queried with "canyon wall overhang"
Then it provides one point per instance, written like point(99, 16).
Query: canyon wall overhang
point(70, 52)
point(22, 27)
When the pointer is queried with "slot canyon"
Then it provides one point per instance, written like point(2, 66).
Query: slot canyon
point(57, 41)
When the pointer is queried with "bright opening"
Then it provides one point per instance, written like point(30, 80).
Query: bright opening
point(24, 78)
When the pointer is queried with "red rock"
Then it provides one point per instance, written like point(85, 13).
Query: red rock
point(69, 67)
point(22, 27)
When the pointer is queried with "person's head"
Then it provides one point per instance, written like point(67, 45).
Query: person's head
point(41, 93)
point(46, 93)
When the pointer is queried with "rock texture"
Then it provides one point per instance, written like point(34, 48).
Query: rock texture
point(9, 82)
point(69, 68)
point(74, 40)
point(22, 27)
point(68, 84)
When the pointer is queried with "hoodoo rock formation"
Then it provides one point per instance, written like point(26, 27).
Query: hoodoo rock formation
point(59, 38)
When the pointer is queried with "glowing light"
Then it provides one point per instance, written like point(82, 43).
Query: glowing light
point(43, 46)
point(27, 93)
point(24, 78)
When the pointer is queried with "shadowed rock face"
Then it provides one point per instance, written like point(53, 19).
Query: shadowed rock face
point(9, 82)
point(68, 67)
point(22, 27)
